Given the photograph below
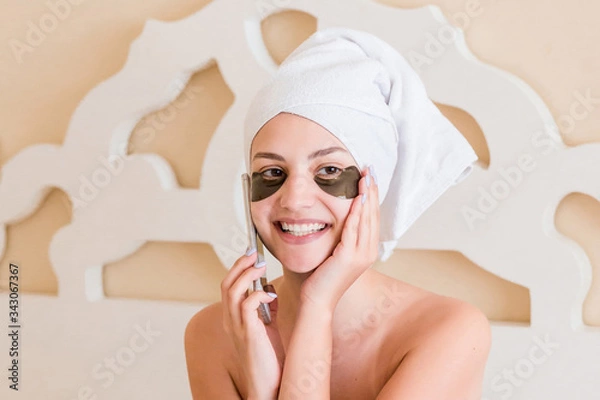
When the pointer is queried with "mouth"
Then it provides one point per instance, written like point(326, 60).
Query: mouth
point(301, 233)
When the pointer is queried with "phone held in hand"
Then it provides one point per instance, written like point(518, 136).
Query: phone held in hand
point(255, 242)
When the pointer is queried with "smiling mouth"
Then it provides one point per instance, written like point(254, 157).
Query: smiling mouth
point(301, 230)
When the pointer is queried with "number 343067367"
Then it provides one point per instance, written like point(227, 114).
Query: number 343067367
point(13, 286)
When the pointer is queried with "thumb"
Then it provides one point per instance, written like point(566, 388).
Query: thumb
point(273, 329)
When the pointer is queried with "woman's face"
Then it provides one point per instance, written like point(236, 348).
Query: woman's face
point(299, 149)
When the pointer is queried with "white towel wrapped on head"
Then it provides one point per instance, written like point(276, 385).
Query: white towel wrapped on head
point(365, 93)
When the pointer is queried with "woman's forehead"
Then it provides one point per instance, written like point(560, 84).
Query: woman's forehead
point(292, 134)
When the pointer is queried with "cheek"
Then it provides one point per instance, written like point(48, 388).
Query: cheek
point(342, 211)
point(260, 213)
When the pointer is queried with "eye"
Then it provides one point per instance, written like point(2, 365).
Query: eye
point(272, 173)
point(331, 172)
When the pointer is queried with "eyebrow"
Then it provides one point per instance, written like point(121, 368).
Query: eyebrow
point(316, 154)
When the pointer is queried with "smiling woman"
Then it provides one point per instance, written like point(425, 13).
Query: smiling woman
point(345, 151)
point(306, 154)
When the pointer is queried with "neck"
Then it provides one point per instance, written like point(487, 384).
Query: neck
point(351, 304)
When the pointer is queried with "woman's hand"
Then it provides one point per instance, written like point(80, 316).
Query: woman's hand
point(354, 254)
point(258, 345)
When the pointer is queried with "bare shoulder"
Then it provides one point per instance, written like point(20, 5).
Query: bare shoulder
point(205, 325)
point(207, 352)
point(450, 318)
point(433, 316)
point(443, 340)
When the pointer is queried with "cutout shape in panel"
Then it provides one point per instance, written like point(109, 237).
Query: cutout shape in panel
point(468, 126)
point(282, 32)
point(181, 131)
point(28, 241)
point(450, 273)
point(578, 218)
point(167, 271)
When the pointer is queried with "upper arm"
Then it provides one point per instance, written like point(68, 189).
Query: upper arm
point(208, 377)
point(448, 364)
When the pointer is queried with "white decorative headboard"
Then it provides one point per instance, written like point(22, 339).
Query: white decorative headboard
point(123, 349)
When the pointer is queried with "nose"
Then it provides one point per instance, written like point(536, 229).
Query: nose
point(297, 193)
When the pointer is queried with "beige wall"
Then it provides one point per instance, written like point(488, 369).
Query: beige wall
point(551, 45)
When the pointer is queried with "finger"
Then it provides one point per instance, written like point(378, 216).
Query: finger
point(250, 318)
point(233, 275)
point(374, 212)
point(237, 293)
point(364, 226)
point(348, 239)
point(236, 270)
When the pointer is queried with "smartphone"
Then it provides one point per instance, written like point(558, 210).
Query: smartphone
point(255, 242)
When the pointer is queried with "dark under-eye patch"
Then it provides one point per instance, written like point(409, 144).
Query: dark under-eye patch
point(344, 185)
point(262, 187)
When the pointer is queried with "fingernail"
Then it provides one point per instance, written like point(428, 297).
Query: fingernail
point(372, 172)
point(273, 295)
point(363, 198)
point(368, 179)
point(251, 251)
point(261, 264)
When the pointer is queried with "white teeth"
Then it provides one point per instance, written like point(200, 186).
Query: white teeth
point(301, 230)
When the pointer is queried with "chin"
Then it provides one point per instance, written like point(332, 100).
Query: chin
point(301, 260)
point(300, 266)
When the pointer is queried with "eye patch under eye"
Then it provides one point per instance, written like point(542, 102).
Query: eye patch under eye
point(344, 185)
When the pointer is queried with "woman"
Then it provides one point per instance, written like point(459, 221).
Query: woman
point(343, 110)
